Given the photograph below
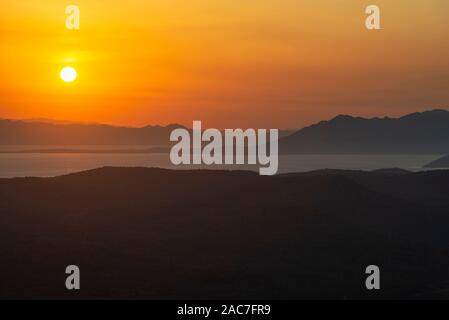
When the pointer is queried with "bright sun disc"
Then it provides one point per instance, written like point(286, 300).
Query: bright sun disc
point(68, 74)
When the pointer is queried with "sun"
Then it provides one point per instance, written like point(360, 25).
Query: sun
point(68, 74)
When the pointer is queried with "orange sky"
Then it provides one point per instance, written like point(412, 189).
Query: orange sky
point(251, 63)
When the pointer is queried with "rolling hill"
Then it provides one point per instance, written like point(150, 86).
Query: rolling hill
point(142, 233)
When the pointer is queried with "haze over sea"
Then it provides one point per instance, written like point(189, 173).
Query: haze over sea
point(15, 163)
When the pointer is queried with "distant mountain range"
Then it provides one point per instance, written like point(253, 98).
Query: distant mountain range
point(44, 132)
point(416, 133)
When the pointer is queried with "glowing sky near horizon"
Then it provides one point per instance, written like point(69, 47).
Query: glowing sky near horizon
point(251, 63)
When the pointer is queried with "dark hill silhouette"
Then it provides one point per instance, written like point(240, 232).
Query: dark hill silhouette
point(153, 233)
point(417, 133)
point(66, 134)
point(440, 163)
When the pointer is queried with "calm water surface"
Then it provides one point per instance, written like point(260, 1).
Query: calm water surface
point(54, 164)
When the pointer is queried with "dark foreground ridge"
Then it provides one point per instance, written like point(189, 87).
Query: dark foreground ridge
point(160, 234)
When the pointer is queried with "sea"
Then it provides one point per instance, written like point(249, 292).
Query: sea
point(22, 161)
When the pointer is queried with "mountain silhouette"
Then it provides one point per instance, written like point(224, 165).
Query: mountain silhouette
point(47, 133)
point(441, 163)
point(416, 133)
point(141, 233)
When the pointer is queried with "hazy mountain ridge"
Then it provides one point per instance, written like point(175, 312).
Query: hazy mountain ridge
point(416, 133)
point(16, 132)
point(46, 132)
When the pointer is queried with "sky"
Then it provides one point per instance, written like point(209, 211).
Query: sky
point(247, 63)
